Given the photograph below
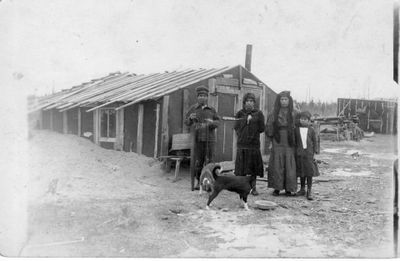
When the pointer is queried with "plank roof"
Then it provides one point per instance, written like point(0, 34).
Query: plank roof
point(124, 87)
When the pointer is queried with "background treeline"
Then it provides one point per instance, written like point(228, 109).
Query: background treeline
point(323, 109)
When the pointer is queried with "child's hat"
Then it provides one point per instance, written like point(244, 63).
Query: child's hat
point(305, 114)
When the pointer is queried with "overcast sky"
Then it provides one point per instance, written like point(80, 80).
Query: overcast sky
point(333, 48)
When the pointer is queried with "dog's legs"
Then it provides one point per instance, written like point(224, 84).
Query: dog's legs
point(245, 202)
point(201, 189)
point(213, 195)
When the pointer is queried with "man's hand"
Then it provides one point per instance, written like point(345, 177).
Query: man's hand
point(192, 116)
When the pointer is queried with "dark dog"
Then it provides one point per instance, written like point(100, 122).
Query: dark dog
point(239, 184)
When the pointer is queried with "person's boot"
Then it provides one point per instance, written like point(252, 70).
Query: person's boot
point(275, 193)
point(290, 194)
point(302, 191)
point(197, 186)
point(309, 194)
point(253, 185)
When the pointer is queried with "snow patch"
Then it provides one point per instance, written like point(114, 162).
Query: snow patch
point(346, 172)
point(333, 150)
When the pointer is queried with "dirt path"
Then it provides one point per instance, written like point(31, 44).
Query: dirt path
point(88, 201)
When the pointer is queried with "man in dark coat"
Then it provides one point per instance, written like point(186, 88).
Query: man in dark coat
point(205, 121)
point(248, 126)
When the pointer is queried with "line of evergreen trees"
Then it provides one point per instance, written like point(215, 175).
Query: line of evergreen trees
point(323, 109)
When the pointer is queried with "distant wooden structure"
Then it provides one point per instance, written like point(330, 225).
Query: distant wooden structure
point(379, 116)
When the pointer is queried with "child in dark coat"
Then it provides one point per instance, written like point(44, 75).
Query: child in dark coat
point(306, 147)
point(248, 126)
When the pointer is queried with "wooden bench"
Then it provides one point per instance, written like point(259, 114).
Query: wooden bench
point(181, 143)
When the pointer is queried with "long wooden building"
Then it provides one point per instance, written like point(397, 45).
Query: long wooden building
point(375, 115)
point(141, 113)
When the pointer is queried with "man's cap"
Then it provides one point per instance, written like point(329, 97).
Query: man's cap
point(202, 90)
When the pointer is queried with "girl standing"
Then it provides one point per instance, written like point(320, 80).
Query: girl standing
point(280, 128)
point(248, 126)
point(306, 142)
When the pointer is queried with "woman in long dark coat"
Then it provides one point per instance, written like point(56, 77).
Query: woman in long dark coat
point(248, 126)
point(282, 163)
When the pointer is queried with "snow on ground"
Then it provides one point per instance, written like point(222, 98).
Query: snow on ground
point(88, 201)
point(77, 168)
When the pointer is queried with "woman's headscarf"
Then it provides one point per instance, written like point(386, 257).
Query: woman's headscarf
point(277, 107)
point(249, 96)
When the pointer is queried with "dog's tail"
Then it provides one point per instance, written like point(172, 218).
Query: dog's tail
point(216, 170)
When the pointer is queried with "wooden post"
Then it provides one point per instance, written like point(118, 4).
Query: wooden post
point(185, 109)
point(139, 137)
point(65, 122)
point(96, 126)
point(119, 141)
point(79, 122)
point(212, 84)
point(177, 167)
point(156, 131)
point(164, 127)
point(234, 140)
point(51, 120)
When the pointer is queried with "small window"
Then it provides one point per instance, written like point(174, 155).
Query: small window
point(108, 123)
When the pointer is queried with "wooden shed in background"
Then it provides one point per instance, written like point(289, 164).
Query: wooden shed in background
point(141, 113)
point(375, 115)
